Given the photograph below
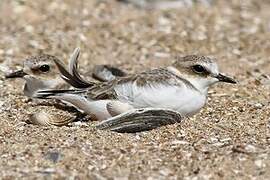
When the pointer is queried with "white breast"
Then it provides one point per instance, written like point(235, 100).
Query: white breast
point(34, 84)
point(183, 99)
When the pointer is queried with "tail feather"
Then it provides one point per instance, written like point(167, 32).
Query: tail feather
point(72, 76)
point(73, 61)
point(49, 94)
point(73, 68)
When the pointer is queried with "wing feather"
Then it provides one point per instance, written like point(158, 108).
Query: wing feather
point(140, 85)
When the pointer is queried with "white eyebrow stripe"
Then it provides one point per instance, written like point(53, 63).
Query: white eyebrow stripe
point(211, 67)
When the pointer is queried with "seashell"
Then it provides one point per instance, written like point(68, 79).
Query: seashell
point(107, 72)
point(48, 117)
point(138, 120)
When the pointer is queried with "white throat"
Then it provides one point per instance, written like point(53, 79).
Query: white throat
point(200, 83)
point(34, 84)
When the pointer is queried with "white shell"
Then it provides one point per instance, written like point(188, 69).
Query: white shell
point(51, 116)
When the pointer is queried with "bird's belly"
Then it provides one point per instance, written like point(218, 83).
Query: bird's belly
point(184, 100)
point(187, 104)
point(191, 104)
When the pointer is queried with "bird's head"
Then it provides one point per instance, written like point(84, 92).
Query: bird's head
point(41, 67)
point(201, 71)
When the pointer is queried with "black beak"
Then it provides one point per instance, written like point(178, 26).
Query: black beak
point(16, 74)
point(226, 79)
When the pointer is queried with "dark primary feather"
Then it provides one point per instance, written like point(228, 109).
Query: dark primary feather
point(47, 94)
point(73, 68)
point(73, 62)
point(138, 120)
point(76, 80)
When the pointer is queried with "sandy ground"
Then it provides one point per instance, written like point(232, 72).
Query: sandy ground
point(228, 139)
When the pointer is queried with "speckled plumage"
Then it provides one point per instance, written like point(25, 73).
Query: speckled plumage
point(39, 73)
point(145, 79)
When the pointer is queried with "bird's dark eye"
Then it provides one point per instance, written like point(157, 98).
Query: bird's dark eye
point(198, 69)
point(44, 68)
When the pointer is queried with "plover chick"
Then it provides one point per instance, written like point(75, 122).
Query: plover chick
point(40, 73)
point(181, 87)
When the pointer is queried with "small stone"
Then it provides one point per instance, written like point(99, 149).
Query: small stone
point(258, 105)
point(179, 142)
point(250, 148)
point(53, 156)
point(259, 163)
point(29, 29)
point(80, 124)
point(165, 172)
point(225, 139)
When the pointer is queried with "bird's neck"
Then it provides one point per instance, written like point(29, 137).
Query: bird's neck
point(199, 84)
point(34, 84)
